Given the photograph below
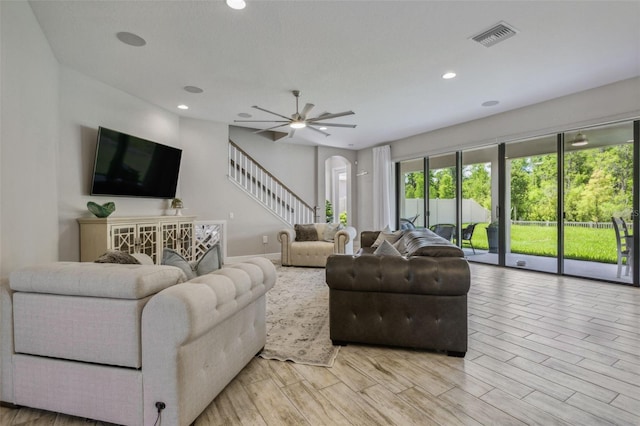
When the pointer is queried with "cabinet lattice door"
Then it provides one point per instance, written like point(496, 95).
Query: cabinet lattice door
point(179, 237)
point(141, 238)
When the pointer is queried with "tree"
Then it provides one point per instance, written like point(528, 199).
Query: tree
point(476, 184)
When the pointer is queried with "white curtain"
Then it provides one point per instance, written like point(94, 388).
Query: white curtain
point(382, 187)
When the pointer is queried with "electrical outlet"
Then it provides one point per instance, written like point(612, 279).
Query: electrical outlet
point(230, 215)
point(265, 239)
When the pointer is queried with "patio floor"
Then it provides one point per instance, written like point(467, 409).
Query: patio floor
point(579, 268)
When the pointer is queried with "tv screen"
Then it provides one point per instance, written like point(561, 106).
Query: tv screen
point(129, 166)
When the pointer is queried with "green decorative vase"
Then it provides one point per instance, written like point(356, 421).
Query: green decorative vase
point(101, 210)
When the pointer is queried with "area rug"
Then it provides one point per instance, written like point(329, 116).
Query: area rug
point(298, 318)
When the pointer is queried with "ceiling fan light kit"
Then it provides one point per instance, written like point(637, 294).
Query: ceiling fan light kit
point(300, 120)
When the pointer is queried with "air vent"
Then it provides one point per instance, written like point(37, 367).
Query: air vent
point(495, 35)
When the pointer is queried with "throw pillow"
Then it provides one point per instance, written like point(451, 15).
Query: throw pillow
point(392, 237)
point(115, 256)
point(143, 258)
point(306, 232)
point(209, 262)
point(386, 249)
point(330, 231)
point(173, 258)
point(401, 246)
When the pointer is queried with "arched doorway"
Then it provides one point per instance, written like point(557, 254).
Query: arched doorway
point(338, 190)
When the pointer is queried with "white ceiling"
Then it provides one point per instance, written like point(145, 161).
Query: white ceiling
point(381, 59)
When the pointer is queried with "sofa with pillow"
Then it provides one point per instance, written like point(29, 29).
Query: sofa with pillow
point(405, 289)
point(311, 244)
point(128, 343)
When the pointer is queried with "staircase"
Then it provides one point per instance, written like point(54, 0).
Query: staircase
point(266, 189)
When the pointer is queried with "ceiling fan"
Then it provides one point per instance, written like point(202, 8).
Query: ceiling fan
point(300, 120)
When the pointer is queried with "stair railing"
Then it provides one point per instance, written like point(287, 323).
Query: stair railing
point(265, 188)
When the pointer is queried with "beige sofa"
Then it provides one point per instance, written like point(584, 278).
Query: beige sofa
point(113, 342)
point(315, 253)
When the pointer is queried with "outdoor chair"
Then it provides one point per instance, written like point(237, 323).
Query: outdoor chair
point(624, 244)
point(445, 230)
point(467, 234)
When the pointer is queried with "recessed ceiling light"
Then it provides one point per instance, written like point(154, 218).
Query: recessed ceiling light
point(322, 128)
point(236, 4)
point(183, 106)
point(193, 89)
point(245, 115)
point(448, 75)
point(490, 103)
point(131, 39)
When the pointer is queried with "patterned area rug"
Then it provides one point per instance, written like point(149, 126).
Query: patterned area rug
point(298, 318)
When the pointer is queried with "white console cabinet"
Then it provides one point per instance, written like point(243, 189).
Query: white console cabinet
point(147, 235)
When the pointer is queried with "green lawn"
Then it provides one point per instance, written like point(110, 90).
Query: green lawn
point(580, 243)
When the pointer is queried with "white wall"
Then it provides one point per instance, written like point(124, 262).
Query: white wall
point(86, 104)
point(29, 139)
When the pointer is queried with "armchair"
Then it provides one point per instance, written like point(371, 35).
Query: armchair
point(312, 244)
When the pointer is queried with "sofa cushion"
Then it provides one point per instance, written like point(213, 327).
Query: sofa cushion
point(306, 232)
point(90, 329)
point(423, 242)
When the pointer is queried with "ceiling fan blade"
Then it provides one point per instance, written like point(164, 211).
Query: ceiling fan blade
point(270, 128)
point(352, 126)
point(306, 109)
point(292, 132)
point(260, 121)
point(328, 116)
point(271, 112)
point(317, 130)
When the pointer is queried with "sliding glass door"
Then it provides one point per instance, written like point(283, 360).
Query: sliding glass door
point(442, 195)
point(530, 213)
point(411, 194)
point(564, 203)
point(598, 186)
point(479, 238)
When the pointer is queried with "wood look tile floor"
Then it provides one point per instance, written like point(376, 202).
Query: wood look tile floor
point(543, 350)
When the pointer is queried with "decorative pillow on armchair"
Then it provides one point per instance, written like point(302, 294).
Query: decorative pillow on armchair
point(306, 232)
point(330, 231)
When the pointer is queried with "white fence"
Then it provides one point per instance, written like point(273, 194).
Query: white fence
point(444, 210)
point(597, 225)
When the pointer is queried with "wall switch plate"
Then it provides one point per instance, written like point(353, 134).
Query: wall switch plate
point(265, 239)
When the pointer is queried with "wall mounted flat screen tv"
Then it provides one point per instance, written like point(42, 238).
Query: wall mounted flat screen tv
point(129, 166)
